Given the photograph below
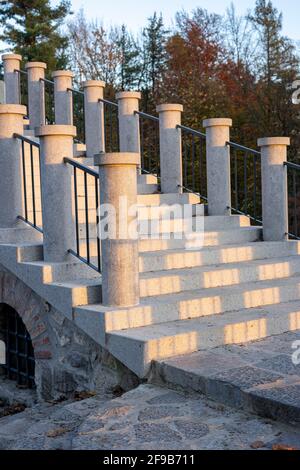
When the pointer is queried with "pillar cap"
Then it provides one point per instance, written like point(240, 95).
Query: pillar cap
point(265, 142)
point(36, 65)
point(55, 130)
point(128, 95)
point(94, 83)
point(215, 122)
point(169, 107)
point(121, 159)
point(63, 73)
point(13, 109)
point(12, 57)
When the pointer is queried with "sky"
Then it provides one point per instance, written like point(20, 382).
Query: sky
point(134, 13)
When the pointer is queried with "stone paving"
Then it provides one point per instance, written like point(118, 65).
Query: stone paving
point(149, 417)
point(260, 376)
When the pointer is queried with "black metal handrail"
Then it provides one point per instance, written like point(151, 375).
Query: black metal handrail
point(87, 257)
point(293, 199)
point(78, 113)
point(31, 181)
point(149, 135)
point(49, 100)
point(111, 125)
point(147, 116)
point(246, 177)
point(23, 86)
point(194, 161)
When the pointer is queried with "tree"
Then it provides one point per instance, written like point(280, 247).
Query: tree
point(130, 66)
point(32, 29)
point(93, 51)
point(154, 58)
point(277, 70)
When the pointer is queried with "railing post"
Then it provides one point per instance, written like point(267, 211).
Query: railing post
point(11, 63)
point(274, 187)
point(62, 97)
point(11, 122)
point(36, 93)
point(170, 147)
point(120, 258)
point(94, 117)
point(56, 182)
point(129, 122)
point(218, 166)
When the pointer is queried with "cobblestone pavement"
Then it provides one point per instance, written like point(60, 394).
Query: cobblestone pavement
point(149, 417)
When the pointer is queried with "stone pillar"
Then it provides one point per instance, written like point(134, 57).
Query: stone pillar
point(36, 93)
point(274, 187)
point(56, 182)
point(129, 122)
point(11, 122)
point(120, 256)
point(62, 97)
point(94, 117)
point(170, 147)
point(11, 63)
point(218, 166)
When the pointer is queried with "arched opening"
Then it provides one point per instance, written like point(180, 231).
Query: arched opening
point(20, 362)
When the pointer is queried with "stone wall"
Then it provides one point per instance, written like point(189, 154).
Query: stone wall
point(67, 360)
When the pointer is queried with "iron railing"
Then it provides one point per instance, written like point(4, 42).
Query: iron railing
point(20, 361)
point(293, 176)
point(86, 202)
point(78, 114)
point(194, 161)
point(149, 135)
point(246, 192)
point(31, 178)
point(23, 87)
point(49, 100)
point(111, 125)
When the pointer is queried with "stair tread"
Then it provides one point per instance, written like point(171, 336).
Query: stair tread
point(185, 296)
point(218, 267)
point(177, 327)
point(78, 283)
point(149, 254)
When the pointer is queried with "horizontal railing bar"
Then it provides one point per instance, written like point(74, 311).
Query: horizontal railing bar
point(91, 265)
point(110, 103)
point(30, 223)
point(147, 116)
point(50, 82)
point(191, 131)
point(81, 167)
point(242, 147)
point(294, 166)
point(27, 140)
point(72, 90)
point(21, 71)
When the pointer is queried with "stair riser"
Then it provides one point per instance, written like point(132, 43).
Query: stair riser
point(170, 284)
point(199, 307)
point(140, 354)
point(211, 239)
point(198, 224)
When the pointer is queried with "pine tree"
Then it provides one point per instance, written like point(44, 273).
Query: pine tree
point(32, 29)
point(130, 67)
point(154, 55)
point(277, 70)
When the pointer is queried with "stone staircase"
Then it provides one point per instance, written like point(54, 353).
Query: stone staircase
point(233, 288)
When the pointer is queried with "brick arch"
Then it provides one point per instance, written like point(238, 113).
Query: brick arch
point(31, 309)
